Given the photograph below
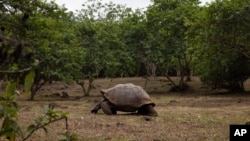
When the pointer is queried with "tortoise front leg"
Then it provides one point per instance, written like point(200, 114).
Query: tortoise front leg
point(96, 108)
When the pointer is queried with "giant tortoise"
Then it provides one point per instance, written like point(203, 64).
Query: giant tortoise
point(125, 98)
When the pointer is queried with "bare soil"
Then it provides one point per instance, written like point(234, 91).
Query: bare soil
point(196, 115)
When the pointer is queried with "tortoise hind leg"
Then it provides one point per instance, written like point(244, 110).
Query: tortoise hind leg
point(147, 110)
point(107, 108)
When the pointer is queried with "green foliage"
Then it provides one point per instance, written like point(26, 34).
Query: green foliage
point(109, 40)
point(31, 32)
point(172, 35)
point(9, 114)
point(170, 43)
point(100, 35)
point(50, 116)
point(225, 63)
point(58, 54)
point(29, 80)
point(68, 137)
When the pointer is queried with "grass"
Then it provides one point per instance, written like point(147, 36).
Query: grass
point(192, 116)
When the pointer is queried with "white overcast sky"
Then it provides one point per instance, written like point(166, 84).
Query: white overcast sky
point(73, 5)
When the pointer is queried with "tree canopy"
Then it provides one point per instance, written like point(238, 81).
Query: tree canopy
point(110, 40)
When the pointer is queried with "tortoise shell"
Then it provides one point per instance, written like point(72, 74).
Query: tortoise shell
point(129, 95)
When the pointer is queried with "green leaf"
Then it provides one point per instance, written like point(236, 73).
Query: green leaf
point(64, 114)
point(12, 112)
point(8, 134)
point(40, 120)
point(10, 129)
point(14, 105)
point(67, 136)
point(29, 80)
point(31, 127)
point(10, 89)
point(2, 98)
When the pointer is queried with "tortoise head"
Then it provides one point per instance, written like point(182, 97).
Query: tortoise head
point(148, 110)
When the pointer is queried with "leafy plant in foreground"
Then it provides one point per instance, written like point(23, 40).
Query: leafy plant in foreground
point(9, 114)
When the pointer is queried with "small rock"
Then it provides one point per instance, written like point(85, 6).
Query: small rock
point(56, 94)
point(147, 118)
point(64, 95)
point(119, 124)
point(172, 101)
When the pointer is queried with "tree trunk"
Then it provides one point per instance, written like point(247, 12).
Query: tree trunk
point(146, 82)
point(242, 85)
point(32, 92)
point(237, 87)
point(138, 68)
point(35, 87)
point(86, 90)
point(172, 82)
point(89, 87)
point(181, 83)
point(188, 73)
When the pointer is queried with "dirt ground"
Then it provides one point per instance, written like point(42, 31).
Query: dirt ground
point(197, 115)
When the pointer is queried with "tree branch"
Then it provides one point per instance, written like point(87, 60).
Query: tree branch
point(17, 71)
point(43, 125)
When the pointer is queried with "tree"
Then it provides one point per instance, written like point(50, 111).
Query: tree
point(135, 35)
point(43, 26)
point(10, 128)
point(15, 53)
point(171, 38)
point(100, 34)
point(59, 53)
point(225, 62)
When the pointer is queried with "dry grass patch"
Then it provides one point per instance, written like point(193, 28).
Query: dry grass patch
point(193, 116)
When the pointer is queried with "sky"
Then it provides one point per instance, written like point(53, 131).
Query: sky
point(73, 5)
